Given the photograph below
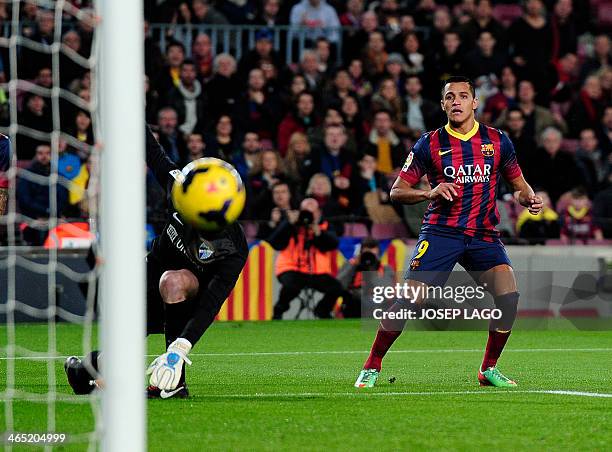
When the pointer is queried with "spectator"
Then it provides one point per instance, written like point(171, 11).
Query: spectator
point(592, 163)
point(5, 164)
point(333, 160)
point(602, 209)
point(396, 70)
point(30, 60)
point(588, 107)
point(246, 160)
point(604, 131)
point(152, 102)
point(295, 88)
point(361, 85)
point(298, 160)
point(256, 110)
point(282, 204)
point(195, 147)
point(370, 192)
point(355, 42)
point(70, 69)
point(262, 53)
point(169, 137)
point(563, 28)
point(268, 170)
point(365, 269)
point(537, 118)
point(154, 60)
point(221, 143)
point(324, 53)
point(577, 219)
point(309, 68)
point(387, 98)
point(204, 13)
point(269, 14)
point(320, 188)
point(305, 246)
point(302, 119)
point(527, 153)
point(560, 174)
point(506, 97)
point(340, 89)
point(538, 228)
point(601, 56)
point(82, 129)
point(411, 53)
point(203, 55)
point(482, 21)
point(33, 197)
point(319, 18)
point(442, 22)
point(374, 56)
point(421, 114)
point(36, 116)
point(533, 60)
point(187, 99)
point(223, 88)
point(170, 75)
point(444, 63)
point(485, 60)
point(354, 122)
point(351, 17)
point(406, 26)
point(332, 117)
point(384, 144)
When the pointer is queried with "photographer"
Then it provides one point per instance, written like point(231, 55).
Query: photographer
point(352, 275)
point(304, 261)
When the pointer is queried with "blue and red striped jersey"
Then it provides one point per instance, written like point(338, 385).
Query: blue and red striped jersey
point(475, 161)
point(5, 159)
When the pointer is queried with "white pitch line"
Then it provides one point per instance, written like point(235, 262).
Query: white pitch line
point(349, 352)
point(366, 393)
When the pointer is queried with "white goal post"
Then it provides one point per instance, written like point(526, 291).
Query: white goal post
point(121, 94)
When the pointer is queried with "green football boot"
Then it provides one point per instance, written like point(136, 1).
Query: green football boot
point(493, 377)
point(367, 378)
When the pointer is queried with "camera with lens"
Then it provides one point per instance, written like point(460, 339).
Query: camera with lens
point(368, 262)
point(305, 218)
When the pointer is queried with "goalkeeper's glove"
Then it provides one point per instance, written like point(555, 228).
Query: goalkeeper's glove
point(166, 369)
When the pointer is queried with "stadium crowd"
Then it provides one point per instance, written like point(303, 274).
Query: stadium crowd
point(336, 125)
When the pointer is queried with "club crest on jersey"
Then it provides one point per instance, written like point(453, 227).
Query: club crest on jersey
point(408, 161)
point(205, 250)
point(487, 149)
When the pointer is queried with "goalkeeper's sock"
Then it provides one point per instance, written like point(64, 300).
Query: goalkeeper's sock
point(176, 317)
point(495, 344)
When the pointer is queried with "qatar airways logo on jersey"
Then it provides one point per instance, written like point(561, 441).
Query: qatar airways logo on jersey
point(466, 174)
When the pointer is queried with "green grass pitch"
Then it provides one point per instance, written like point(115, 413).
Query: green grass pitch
point(289, 386)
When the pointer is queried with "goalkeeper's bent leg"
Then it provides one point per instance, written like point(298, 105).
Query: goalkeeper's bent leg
point(177, 287)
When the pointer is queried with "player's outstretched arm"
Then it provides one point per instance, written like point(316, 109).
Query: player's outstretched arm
point(404, 193)
point(525, 195)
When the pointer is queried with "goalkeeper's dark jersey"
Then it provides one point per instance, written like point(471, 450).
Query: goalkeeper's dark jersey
point(216, 259)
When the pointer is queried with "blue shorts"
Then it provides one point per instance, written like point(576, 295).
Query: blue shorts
point(435, 255)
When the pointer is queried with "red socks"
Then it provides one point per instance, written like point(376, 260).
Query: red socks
point(495, 345)
point(382, 343)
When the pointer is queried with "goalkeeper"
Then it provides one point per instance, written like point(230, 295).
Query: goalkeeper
point(190, 273)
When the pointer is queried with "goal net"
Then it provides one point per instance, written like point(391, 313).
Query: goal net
point(69, 123)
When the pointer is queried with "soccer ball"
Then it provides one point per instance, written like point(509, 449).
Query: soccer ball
point(209, 194)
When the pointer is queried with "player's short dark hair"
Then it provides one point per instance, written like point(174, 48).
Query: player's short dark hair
point(459, 79)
